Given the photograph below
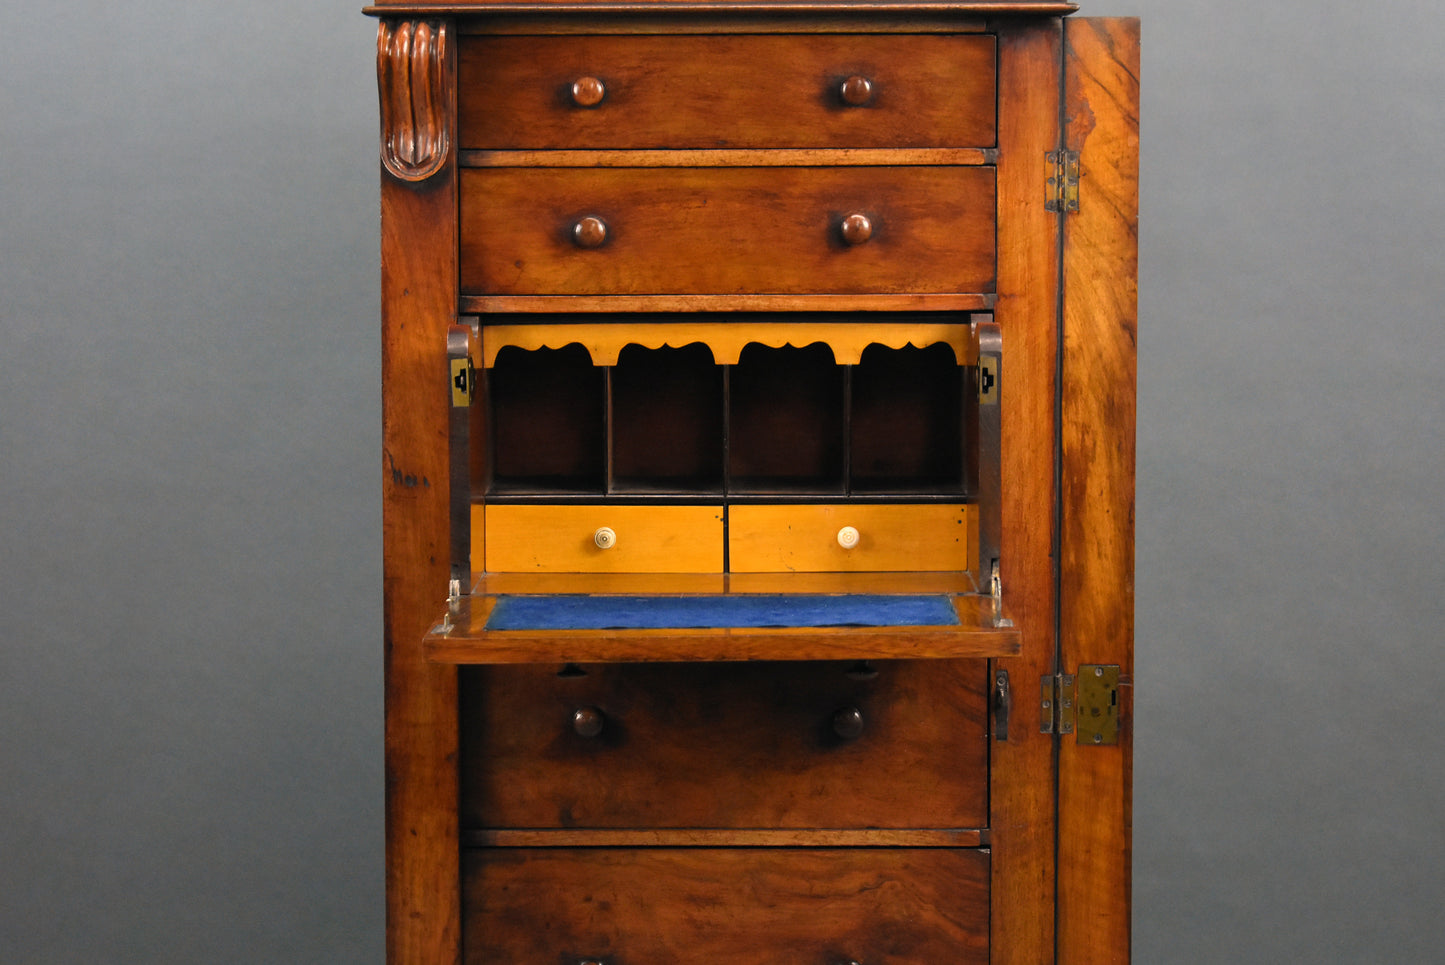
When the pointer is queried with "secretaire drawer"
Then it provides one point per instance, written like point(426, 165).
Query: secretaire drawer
point(725, 745)
point(729, 230)
point(727, 91)
point(743, 906)
point(604, 539)
point(851, 538)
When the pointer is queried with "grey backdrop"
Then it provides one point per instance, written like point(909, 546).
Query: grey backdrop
point(190, 670)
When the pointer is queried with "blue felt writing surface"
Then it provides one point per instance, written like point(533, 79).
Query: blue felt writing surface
point(578, 612)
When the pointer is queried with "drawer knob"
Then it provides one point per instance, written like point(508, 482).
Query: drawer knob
point(856, 91)
point(588, 91)
point(588, 721)
point(589, 232)
point(856, 228)
point(848, 537)
point(605, 537)
point(848, 723)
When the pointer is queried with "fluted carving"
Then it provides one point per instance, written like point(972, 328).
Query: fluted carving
point(414, 68)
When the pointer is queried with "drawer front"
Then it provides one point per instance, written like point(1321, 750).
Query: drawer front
point(727, 745)
point(773, 539)
point(742, 906)
point(564, 539)
point(782, 91)
point(780, 230)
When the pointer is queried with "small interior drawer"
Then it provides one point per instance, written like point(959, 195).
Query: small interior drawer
point(603, 539)
point(727, 230)
point(805, 744)
point(727, 91)
point(814, 538)
point(744, 906)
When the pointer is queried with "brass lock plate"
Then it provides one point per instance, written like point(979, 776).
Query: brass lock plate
point(1096, 704)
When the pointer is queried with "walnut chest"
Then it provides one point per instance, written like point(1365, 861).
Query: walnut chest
point(758, 470)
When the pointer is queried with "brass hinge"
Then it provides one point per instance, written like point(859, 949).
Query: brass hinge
point(1056, 704)
point(1085, 704)
point(1062, 193)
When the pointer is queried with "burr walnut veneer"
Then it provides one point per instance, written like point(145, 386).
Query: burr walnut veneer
point(758, 470)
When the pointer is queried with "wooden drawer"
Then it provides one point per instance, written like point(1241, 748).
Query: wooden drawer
point(769, 539)
point(727, 230)
point(725, 745)
point(739, 91)
point(911, 906)
point(563, 539)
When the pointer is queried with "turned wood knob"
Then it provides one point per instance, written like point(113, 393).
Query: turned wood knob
point(589, 232)
point(588, 721)
point(605, 537)
point(856, 228)
point(848, 537)
point(848, 723)
point(588, 91)
point(856, 91)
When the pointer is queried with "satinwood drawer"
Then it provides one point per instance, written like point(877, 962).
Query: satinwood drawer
point(744, 906)
point(727, 91)
point(727, 230)
point(603, 539)
point(725, 745)
point(816, 538)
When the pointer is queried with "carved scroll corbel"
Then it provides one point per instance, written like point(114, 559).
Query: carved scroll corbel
point(414, 77)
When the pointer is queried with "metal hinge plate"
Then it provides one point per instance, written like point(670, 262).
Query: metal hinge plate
point(464, 382)
point(1056, 704)
point(1063, 183)
point(1085, 704)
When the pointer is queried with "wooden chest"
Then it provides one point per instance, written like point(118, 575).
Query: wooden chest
point(758, 470)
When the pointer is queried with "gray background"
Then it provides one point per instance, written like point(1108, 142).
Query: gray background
point(190, 583)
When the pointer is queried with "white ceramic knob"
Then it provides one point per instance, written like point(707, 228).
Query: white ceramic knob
point(605, 538)
point(847, 537)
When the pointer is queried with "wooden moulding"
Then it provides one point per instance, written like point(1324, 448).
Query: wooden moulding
point(725, 838)
point(727, 339)
point(753, 302)
point(465, 639)
point(769, 157)
point(985, 8)
point(711, 22)
point(415, 72)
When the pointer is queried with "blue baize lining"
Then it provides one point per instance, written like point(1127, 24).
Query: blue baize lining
point(579, 612)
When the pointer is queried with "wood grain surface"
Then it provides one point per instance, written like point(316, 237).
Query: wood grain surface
point(742, 906)
point(1023, 818)
point(735, 745)
point(418, 303)
point(727, 230)
point(1101, 72)
point(754, 302)
point(721, 91)
point(560, 539)
point(891, 537)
